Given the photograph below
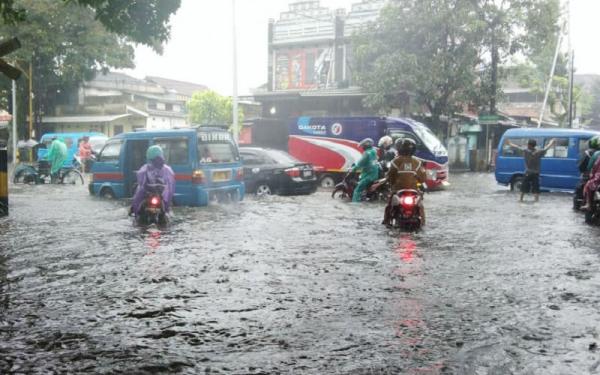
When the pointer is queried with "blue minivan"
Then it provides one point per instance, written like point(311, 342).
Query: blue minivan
point(205, 160)
point(559, 171)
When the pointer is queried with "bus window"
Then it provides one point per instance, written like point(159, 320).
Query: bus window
point(560, 148)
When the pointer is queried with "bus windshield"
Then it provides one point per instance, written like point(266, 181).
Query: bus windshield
point(430, 140)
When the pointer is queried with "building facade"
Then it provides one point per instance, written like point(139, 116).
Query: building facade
point(113, 103)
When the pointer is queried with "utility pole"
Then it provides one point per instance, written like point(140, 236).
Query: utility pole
point(14, 122)
point(571, 67)
point(549, 86)
point(235, 74)
point(6, 47)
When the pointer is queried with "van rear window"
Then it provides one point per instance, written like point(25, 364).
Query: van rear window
point(217, 152)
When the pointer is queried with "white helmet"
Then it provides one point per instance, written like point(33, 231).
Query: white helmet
point(385, 141)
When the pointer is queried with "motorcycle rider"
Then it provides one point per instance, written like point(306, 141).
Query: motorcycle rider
point(387, 152)
point(406, 172)
point(583, 164)
point(57, 155)
point(369, 168)
point(153, 172)
point(594, 145)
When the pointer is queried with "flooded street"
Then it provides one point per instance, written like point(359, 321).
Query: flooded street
point(300, 285)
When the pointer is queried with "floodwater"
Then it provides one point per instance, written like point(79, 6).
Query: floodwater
point(300, 285)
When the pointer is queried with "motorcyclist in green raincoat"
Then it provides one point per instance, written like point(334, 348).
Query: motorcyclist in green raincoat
point(57, 155)
point(369, 168)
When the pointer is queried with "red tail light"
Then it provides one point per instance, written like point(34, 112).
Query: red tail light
point(293, 172)
point(408, 200)
point(198, 177)
point(240, 175)
point(154, 201)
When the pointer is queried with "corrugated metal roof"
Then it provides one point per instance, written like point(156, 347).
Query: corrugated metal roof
point(82, 119)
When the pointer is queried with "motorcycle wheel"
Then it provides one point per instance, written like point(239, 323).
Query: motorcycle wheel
point(339, 194)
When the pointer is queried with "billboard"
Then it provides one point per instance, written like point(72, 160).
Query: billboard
point(303, 69)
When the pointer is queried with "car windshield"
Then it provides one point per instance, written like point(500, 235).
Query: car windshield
point(430, 140)
point(216, 152)
point(281, 157)
point(97, 143)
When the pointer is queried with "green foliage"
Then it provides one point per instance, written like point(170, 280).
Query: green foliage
point(141, 21)
point(593, 110)
point(424, 47)
point(449, 52)
point(210, 108)
point(65, 45)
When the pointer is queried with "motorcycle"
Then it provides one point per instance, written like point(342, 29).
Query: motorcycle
point(377, 191)
point(592, 216)
point(153, 209)
point(406, 209)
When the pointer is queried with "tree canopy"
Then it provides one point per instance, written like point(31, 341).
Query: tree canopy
point(448, 53)
point(141, 21)
point(210, 108)
point(65, 45)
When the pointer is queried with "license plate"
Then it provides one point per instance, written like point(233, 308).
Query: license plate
point(220, 176)
point(307, 174)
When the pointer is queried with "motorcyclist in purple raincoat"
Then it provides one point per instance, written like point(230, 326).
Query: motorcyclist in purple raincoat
point(155, 171)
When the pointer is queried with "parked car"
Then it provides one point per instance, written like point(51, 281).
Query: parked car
point(269, 171)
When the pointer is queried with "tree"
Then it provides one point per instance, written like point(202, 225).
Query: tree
point(424, 47)
point(210, 108)
point(142, 21)
point(511, 27)
point(65, 45)
point(594, 107)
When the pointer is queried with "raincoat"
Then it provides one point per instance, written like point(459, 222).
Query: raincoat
point(405, 173)
point(151, 173)
point(593, 160)
point(594, 182)
point(369, 174)
point(57, 155)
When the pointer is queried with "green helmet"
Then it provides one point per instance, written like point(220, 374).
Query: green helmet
point(154, 152)
point(594, 142)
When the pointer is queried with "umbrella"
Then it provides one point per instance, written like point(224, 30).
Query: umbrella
point(30, 143)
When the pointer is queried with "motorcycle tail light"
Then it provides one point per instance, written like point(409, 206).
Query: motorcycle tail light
point(197, 177)
point(408, 200)
point(293, 172)
point(154, 201)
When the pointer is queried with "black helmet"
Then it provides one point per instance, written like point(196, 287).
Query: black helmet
point(406, 146)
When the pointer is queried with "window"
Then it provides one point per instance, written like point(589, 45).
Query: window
point(68, 141)
point(216, 152)
point(560, 148)
point(583, 145)
point(175, 149)
point(169, 107)
point(511, 151)
point(111, 152)
point(250, 158)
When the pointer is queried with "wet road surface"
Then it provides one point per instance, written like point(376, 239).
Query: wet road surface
point(300, 285)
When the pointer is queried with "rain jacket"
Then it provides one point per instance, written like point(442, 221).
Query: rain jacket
point(85, 150)
point(57, 155)
point(405, 173)
point(369, 165)
point(149, 174)
point(593, 160)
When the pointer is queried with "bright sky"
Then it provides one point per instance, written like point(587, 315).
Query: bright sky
point(200, 49)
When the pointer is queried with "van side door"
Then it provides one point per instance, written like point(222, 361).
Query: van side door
point(135, 158)
point(177, 150)
point(559, 165)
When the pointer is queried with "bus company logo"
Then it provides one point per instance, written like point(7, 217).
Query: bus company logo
point(337, 128)
point(313, 129)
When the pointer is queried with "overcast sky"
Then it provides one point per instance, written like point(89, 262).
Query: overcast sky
point(200, 49)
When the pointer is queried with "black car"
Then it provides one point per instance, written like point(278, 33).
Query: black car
point(269, 171)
